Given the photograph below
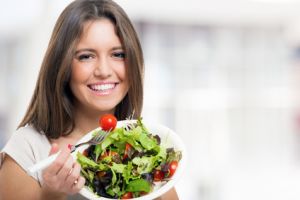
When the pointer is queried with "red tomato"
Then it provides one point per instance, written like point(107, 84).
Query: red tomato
point(158, 175)
point(172, 167)
point(127, 195)
point(108, 122)
point(100, 174)
point(108, 153)
point(85, 153)
point(142, 193)
point(127, 149)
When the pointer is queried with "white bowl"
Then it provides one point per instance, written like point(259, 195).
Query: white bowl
point(168, 137)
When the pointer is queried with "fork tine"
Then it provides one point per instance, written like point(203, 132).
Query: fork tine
point(99, 138)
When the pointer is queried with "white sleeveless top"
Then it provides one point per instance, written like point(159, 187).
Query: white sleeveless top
point(27, 147)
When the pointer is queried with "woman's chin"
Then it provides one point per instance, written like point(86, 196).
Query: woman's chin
point(105, 108)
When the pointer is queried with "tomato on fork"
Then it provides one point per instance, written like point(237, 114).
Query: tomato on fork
point(108, 122)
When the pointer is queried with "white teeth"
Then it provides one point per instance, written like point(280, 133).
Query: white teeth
point(103, 87)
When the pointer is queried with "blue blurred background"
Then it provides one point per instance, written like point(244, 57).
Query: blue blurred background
point(224, 74)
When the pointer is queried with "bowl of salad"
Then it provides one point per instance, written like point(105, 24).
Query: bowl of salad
point(137, 160)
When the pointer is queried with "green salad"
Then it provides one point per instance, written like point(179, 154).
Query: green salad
point(127, 163)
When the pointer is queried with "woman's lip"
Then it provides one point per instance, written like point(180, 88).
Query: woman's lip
point(102, 88)
point(103, 83)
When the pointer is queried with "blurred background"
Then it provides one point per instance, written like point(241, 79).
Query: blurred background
point(224, 74)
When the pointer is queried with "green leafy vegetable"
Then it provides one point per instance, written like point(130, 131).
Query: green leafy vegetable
point(125, 162)
point(138, 185)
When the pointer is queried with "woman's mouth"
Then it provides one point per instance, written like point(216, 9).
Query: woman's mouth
point(103, 88)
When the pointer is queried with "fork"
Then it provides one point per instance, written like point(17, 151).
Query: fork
point(46, 162)
point(93, 141)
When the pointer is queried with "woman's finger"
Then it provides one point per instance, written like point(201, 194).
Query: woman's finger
point(54, 149)
point(79, 185)
point(59, 162)
point(66, 169)
point(74, 175)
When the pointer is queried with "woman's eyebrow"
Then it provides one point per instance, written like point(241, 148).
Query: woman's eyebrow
point(86, 49)
point(94, 51)
point(117, 48)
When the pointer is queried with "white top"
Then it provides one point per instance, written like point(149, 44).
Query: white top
point(27, 147)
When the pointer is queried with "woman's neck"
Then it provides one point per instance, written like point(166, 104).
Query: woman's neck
point(86, 121)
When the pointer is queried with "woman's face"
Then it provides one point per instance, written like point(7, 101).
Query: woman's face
point(98, 78)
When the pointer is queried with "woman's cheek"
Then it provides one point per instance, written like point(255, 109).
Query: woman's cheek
point(81, 72)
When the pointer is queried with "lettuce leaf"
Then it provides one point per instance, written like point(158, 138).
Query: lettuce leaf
point(138, 185)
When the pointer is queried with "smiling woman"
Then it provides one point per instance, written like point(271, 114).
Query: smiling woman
point(93, 66)
point(98, 68)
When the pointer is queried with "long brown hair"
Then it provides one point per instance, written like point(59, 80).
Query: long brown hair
point(51, 107)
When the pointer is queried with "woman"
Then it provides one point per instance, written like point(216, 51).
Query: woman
point(93, 65)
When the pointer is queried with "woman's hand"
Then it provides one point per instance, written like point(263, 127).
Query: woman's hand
point(63, 175)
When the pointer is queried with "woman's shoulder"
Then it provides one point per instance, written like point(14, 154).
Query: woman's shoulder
point(27, 146)
point(26, 140)
point(28, 135)
point(28, 131)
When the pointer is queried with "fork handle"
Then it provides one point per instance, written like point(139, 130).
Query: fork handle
point(42, 164)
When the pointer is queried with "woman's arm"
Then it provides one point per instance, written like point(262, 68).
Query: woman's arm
point(61, 178)
point(16, 184)
point(170, 195)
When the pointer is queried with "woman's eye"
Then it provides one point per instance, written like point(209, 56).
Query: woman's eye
point(119, 55)
point(84, 57)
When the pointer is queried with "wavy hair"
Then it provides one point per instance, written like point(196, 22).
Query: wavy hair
point(51, 108)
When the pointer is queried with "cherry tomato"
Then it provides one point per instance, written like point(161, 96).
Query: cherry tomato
point(172, 167)
point(108, 122)
point(158, 175)
point(101, 174)
point(108, 153)
point(127, 195)
point(85, 153)
point(128, 148)
point(142, 193)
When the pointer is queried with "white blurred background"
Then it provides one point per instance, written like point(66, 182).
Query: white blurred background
point(224, 74)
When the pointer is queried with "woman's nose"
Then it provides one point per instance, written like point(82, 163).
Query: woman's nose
point(103, 68)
